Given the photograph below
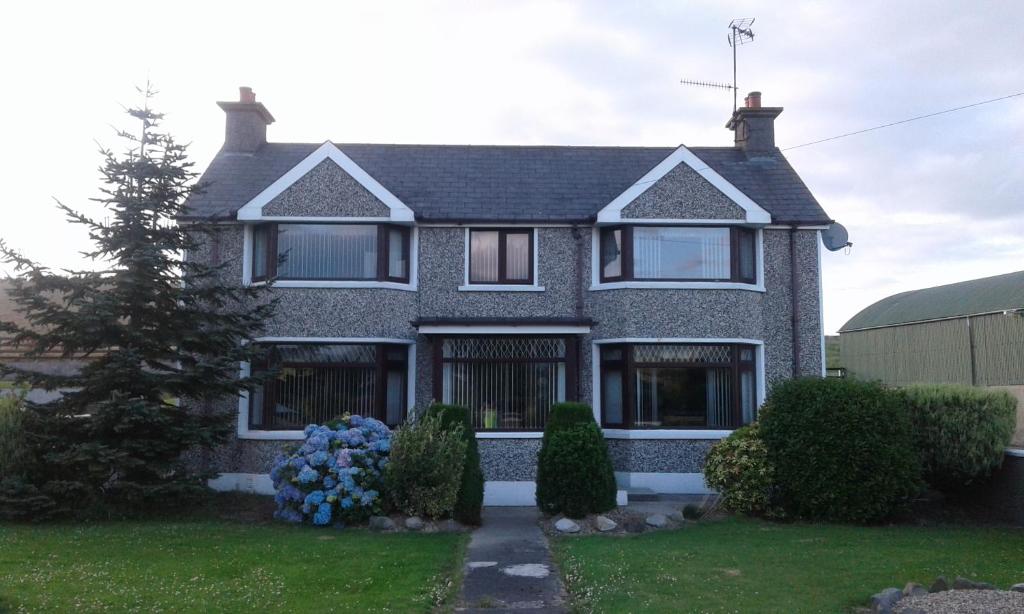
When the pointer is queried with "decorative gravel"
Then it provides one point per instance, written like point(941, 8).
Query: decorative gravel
point(963, 602)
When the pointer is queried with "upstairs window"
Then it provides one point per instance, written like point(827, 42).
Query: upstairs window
point(330, 252)
point(501, 256)
point(678, 253)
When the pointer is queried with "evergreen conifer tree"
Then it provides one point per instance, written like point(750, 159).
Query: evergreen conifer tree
point(160, 330)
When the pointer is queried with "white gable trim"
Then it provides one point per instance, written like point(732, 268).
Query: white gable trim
point(253, 210)
point(612, 212)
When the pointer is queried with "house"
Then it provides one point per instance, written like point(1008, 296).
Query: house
point(668, 287)
point(969, 333)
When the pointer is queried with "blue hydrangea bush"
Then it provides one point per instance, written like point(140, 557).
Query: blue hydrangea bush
point(336, 475)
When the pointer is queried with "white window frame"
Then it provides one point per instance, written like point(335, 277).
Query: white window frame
point(243, 430)
point(468, 287)
point(595, 372)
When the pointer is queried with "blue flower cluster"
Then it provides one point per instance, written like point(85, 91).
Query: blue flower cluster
point(336, 475)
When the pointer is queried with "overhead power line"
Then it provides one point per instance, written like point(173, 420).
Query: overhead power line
point(904, 121)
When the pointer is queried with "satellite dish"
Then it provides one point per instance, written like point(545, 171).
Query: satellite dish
point(835, 237)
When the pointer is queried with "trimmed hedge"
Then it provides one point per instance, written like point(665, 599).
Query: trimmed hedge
point(470, 499)
point(574, 471)
point(843, 450)
point(962, 432)
point(738, 467)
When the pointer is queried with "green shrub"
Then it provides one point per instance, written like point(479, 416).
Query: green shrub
point(738, 468)
point(843, 449)
point(14, 451)
point(962, 432)
point(425, 468)
point(574, 471)
point(470, 499)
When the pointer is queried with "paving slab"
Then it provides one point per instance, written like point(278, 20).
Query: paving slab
point(509, 566)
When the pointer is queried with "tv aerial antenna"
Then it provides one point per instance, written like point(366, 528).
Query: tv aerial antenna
point(739, 34)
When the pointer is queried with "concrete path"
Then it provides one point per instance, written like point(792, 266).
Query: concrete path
point(508, 566)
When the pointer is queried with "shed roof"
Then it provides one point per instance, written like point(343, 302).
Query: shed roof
point(506, 183)
point(977, 296)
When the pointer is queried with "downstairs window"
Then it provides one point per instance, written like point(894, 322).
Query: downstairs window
point(677, 386)
point(508, 383)
point(315, 383)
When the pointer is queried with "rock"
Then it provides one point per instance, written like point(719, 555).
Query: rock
point(567, 526)
point(449, 526)
point(965, 584)
point(1017, 588)
point(913, 589)
point(883, 603)
point(656, 520)
point(677, 516)
point(414, 523)
point(940, 585)
point(633, 524)
point(605, 524)
point(381, 523)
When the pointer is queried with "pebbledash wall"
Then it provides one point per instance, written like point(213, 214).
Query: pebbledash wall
point(664, 461)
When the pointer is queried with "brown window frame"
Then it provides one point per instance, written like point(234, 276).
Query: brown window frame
point(626, 255)
point(381, 364)
point(502, 252)
point(383, 254)
point(628, 366)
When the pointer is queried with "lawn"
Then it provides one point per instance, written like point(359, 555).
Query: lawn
point(221, 566)
point(740, 565)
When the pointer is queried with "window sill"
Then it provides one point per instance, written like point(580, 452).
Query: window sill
point(272, 435)
point(509, 434)
point(388, 285)
point(677, 285)
point(500, 288)
point(665, 433)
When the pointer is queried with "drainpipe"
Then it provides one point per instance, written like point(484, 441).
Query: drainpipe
point(794, 307)
point(577, 237)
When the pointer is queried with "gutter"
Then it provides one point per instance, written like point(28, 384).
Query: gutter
point(794, 301)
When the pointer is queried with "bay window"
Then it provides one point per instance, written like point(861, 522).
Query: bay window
point(677, 253)
point(330, 252)
point(507, 383)
point(501, 256)
point(314, 383)
point(678, 386)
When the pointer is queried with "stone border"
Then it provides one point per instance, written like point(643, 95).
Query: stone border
point(885, 601)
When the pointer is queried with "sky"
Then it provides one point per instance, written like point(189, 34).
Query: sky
point(930, 202)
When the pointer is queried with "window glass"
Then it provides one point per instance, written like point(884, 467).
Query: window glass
point(398, 259)
point(611, 396)
point(611, 253)
point(517, 256)
point(683, 353)
point(327, 251)
point(681, 253)
point(682, 397)
point(508, 383)
point(746, 254)
point(748, 400)
point(483, 256)
point(260, 245)
point(316, 383)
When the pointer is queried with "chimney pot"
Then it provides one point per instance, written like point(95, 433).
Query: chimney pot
point(246, 95)
point(753, 100)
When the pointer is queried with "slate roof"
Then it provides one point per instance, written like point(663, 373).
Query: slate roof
point(474, 183)
point(977, 296)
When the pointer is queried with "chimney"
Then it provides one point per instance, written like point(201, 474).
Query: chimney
point(247, 121)
point(754, 125)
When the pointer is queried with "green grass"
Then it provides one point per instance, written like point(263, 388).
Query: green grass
point(740, 565)
point(222, 567)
